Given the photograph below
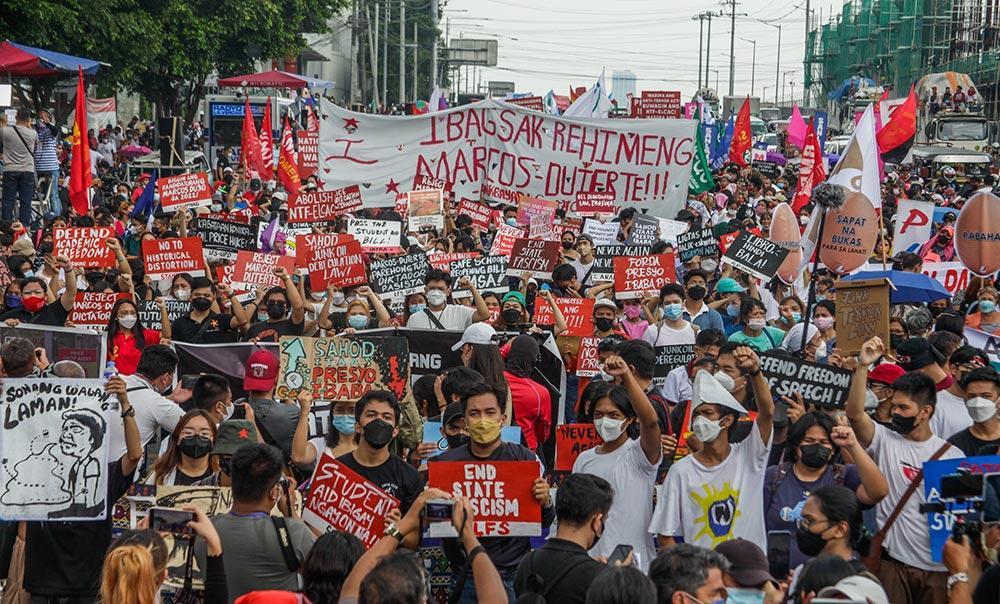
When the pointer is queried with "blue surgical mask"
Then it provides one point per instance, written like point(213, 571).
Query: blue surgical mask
point(796, 317)
point(733, 310)
point(28, 274)
point(357, 321)
point(673, 311)
point(343, 423)
point(415, 308)
point(987, 306)
point(743, 595)
point(512, 222)
point(262, 317)
point(14, 301)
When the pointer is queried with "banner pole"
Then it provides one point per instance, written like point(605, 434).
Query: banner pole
point(811, 298)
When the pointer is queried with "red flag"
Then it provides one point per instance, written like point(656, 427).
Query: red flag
point(896, 137)
point(312, 121)
point(811, 169)
point(250, 149)
point(266, 144)
point(288, 172)
point(79, 167)
point(740, 148)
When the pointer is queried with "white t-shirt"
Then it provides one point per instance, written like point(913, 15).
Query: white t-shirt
point(709, 505)
point(632, 478)
point(582, 270)
point(454, 317)
point(678, 385)
point(950, 415)
point(661, 334)
point(908, 540)
point(152, 412)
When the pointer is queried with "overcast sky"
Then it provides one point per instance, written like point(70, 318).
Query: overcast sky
point(557, 43)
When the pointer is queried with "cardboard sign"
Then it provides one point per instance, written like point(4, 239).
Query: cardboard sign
point(92, 310)
point(636, 276)
point(323, 207)
point(528, 102)
point(862, 312)
point(479, 213)
point(671, 229)
point(487, 273)
point(755, 255)
point(422, 182)
point(85, 246)
point(539, 258)
point(588, 362)
point(444, 262)
point(253, 269)
point(662, 104)
point(578, 313)
point(331, 259)
point(184, 191)
point(571, 440)
point(603, 270)
point(400, 276)
point(824, 385)
point(500, 493)
point(343, 369)
point(697, 243)
point(426, 209)
point(224, 238)
point(503, 240)
point(769, 169)
point(528, 207)
point(602, 234)
point(669, 358)
point(595, 203)
point(342, 500)
point(376, 236)
point(940, 523)
point(149, 312)
point(164, 258)
point(542, 227)
point(645, 230)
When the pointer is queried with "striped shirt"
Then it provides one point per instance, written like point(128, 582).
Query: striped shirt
point(46, 157)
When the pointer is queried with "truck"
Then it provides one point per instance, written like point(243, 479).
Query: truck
point(732, 104)
point(962, 126)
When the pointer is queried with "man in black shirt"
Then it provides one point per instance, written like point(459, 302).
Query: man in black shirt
point(33, 307)
point(277, 302)
point(201, 325)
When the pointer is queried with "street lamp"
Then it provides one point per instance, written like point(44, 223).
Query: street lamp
point(783, 75)
point(777, 67)
point(716, 71)
point(753, 68)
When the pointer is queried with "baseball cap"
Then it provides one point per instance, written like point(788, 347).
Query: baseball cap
point(584, 237)
point(261, 371)
point(605, 302)
point(685, 214)
point(23, 246)
point(477, 333)
point(748, 564)
point(915, 353)
point(728, 285)
point(451, 412)
point(857, 587)
point(233, 434)
point(886, 373)
point(518, 296)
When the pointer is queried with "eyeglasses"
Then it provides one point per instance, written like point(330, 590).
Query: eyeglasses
point(807, 523)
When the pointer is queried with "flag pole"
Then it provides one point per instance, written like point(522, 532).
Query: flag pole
point(811, 298)
point(881, 232)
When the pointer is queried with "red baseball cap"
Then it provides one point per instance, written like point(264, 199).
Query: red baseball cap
point(261, 371)
point(886, 373)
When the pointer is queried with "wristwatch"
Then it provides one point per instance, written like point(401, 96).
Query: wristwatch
point(130, 412)
point(957, 578)
point(392, 531)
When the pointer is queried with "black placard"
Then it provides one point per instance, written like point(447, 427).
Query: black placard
point(398, 276)
point(755, 255)
point(603, 267)
point(670, 357)
point(645, 230)
point(227, 237)
point(823, 385)
point(702, 242)
point(149, 312)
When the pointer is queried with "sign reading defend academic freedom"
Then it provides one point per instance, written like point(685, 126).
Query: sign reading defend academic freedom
point(755, 255)
point(823, 385)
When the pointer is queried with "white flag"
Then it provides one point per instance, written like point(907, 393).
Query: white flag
point(857, 170)
point(914, 220)
point(593, 103)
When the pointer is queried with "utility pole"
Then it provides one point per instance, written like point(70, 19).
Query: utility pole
point(385, 53)
point(378, 64)
point(805, 62)
point(354, 54)
point(435, 81)
point(416, 47)
point(708, 48)
point(373, 52)
point(777, 68)
point(701, 42)
point(402, 51)
point(732, 45)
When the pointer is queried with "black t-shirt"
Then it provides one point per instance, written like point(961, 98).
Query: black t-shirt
point(395, 477)
point(218, 330)
point(988, 588)
point(552, 560)
point(64, 559)
point(183, 480)
point(972, 446)
point(54, 313)
point(265, 331)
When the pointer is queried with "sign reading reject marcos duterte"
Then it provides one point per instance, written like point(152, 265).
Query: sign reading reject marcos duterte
point(496, 151)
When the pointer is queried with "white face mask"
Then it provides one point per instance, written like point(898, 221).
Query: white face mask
point(436, 297)
point(609, 429)
point(337, 298)
point(229, 411)
point(182, 294)
point(318, 296)
point(981, 409)
point(725, 380)
point(127, 321)
point(706, 430)
point(871, 399)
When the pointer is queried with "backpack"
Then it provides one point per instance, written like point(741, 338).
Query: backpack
point(537, 590)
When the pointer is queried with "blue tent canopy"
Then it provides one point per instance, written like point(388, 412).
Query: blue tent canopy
point(28, 61)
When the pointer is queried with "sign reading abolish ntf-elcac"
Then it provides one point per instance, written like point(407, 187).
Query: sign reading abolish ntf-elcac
point(500, 493)
point(823, 385)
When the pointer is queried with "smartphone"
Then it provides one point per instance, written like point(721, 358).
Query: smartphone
point(169, 520)
point(619, 554)
point(778, 543)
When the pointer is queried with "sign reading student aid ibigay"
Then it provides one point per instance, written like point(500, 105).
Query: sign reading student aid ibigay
point(341, 500)
point(823, 385)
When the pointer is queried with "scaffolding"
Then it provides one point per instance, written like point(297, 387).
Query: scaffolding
point(896, 42)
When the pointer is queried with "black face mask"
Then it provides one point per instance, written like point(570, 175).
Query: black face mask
point(604, 324)
point(567, 245)
point(598, 537)
point(457, 440)
point(895, 340)
point(201, 304)
point(195, 446)
point(903, 425)
point(809, 543)
point(511, 316)
point(276, 310)
point(696, 292)
point(815, 456)
point(378, 433)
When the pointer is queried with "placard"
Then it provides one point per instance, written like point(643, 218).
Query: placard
point(818, 384)
point(702, 242)
point(331, 260)
point(940, 524)
point(54, 449)
point(537, 257)
point(487, 273)
point(399, 276)
point(603, 270)
point(479, 213)
point(184, 191)
point(671, 229)
point(602, 234)
point(253, 270)
point(342, 369)
point(543, 227)
point(637, 276)
point(645, 230)
point(528, 102)
point(92, 310)
point(588, 362)
point(432, 434)
point(578, 313)
point(595, 203)
point(862, 312)
point(528, 207)
point(342, 500)
point(443, 261)
point(755, 255)
point(669, 358)
point(323, 207)
point(422, 182)
point(85, 246)
point(662, 104)
point(149, 312)
point(224, 238)
point(307, 144)
point(376, 236)
point(571, 440)
point(954, 276)
point(503, 240)
point(500, 493)
point(164, 258)
point(426, 209)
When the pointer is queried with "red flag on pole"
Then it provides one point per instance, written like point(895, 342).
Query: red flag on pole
point(288, 172)
point(896, 137)
point(250, 145)
point(811, 169)
point(739, 150)
point(79, 167)
point(266, 144)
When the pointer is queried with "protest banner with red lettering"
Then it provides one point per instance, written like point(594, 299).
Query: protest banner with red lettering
point(426, 209)
point(543, 227)
point(164, 258)
point(500, 493)
point(422, 182)
point(308, 148)
point(478, 212)
point(535, 256)
point(578, 313)
point(331, 259)
point(571, 440)
point(341, 500)
point(595, 203)
point(343, 369)
point(184, 191)
point(533, 206)
point(402, 206)
point(639, 275)
point(503, 240)
point(92, 310)
point(662, 104)
point(85, 246)
point(954, 276)
point(534, 103)
point(635, 107)
point(254, 269)
point(588, 362)
point(442, 261)
point(322, 207)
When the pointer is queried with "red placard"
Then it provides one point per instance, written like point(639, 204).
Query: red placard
point(85, 246)
point(443, 261)
point(595, 203)
point(588, 362)
point(422, 182)
point(330, 258)
point(323, 206)
point(500, 492)
point(184, 191)
point(634, 106)
point(479, 213)
point(164, 258)
point(536, 256)
point(534, 206)
point(571, 440)
point(528, 102)
point(728, 238)
point(308, 148)
point(503, 240)
point(341, 500)
point(93, 309)
point(253, 269)
point(636, 276)
point(578, 312)
point(661, 104)
point(683, 449)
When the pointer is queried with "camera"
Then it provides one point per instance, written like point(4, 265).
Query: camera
point(961, 496)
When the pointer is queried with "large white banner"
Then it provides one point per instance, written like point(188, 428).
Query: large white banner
point(493, 150)
point(913, 225)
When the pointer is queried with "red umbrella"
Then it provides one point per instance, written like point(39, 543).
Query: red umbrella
point(132, 151)
point(274, 79)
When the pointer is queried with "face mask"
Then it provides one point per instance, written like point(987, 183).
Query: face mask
point(317, 296)
point(357, 321)
point(709, 266)
point(756, 323)
point(632, 311)
point(127, 321)
point(696, 292)
point(195, 446)
point(815, 456)
point(981, 409)
point(725, 380)
point(809, 543)
point(215, 207)
point(803, 220)
point(673, 311)
point(511, 221)
point(903, 425)
point(182, 294)
point(604, 324)
point(378, 433)
point(706, 430)
point(436, 297)
point(485, 431)
point(742, 595)
point(276, 310)
point(733, 310)
point(895, 340)
point(821, 352)
point(871, 399)
point(457, 440)
point(609, 429)
point(229, 411)
point(33, 304)
point(337, 298)
point(987, 306)
point(415, 308)
point(343, 423)
point(823, 323)
point(201, 304)
point(794, 318)
point(511, 316)
point(567, 245)
point(12, 301)
point(28, 274)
